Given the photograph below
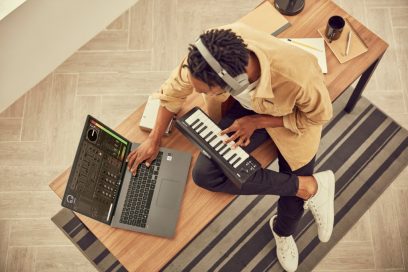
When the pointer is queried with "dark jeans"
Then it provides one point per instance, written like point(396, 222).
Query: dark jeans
point(285, 183)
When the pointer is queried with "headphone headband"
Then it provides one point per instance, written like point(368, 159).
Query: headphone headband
point(237, 84)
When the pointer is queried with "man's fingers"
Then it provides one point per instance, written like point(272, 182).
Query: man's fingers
point(232, 138)
point(131, 158)
point(149, 161)
point(225, 131)
point(239, 143)
point(130, 155)
point(135, 165)
point(132, 162)
point(247, 141)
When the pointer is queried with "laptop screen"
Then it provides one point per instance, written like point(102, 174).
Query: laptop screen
point(96, 174)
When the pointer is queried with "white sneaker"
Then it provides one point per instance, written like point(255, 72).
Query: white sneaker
point(286, 250)
point(322, 204)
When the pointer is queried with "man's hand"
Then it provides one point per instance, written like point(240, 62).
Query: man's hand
point(244, 127)
point(147, 151)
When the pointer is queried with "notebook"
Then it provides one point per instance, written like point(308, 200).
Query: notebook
point(266, 18)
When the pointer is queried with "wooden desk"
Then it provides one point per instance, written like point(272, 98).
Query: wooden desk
point(140, 252)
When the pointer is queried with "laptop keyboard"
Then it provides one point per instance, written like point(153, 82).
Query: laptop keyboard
point(140, 194)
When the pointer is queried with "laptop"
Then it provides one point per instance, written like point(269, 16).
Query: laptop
point(101, 187)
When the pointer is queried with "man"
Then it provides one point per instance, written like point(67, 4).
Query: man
point(286, 100)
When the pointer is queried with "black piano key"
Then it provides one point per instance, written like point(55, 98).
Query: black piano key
point(212, 139)
point(232, 157)
point(195, 122)
point(226, 151)
point(237, 160)
point(222, 148)
point(198, 126)
point(201, 130)
point(208, 134)
point(215, 146)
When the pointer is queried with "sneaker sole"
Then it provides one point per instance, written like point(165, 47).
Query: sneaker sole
point(331, 190)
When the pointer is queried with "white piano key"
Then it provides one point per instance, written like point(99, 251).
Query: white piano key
point(229, 154)
point(243, 158)
point(219, 138)
point(199, 125)
point(214, 142)
point(225, 150)
point(218, 148)
point(204, 132)
point(193, 117)
point(216, 129)
point(236, 163)
point(196, 125)
point(211, 139)
point(232, 158)
point(208, 134)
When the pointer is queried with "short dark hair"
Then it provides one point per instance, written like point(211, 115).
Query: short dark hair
point(227, 48)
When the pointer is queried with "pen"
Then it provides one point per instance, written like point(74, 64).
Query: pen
point(305, 45)
point(348, 43)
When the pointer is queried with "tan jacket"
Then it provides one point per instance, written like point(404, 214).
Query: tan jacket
point(291, 85)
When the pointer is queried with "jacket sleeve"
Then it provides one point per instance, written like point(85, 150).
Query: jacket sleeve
point(174, 91)
point(313, 107)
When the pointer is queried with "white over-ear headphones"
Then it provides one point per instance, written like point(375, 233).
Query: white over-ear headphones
point(235, 85)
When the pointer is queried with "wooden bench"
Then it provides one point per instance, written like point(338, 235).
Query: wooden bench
point(140, 252)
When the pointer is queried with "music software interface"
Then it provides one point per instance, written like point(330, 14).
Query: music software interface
point(96, 175)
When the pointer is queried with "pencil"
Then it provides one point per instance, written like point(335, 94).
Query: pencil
point(305, 45)
point(348, 43)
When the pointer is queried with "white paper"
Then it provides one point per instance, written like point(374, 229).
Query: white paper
point(316, 43)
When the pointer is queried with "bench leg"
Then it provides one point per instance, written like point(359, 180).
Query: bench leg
point(365, 77)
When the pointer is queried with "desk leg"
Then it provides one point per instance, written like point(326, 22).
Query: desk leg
point(365, 77)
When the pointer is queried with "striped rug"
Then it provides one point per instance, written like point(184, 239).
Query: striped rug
point(86, 242)
point(365, 149)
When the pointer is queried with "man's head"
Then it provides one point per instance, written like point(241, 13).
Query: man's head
point(228, 49)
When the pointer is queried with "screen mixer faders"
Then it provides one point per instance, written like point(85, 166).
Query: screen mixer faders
point(97, 176)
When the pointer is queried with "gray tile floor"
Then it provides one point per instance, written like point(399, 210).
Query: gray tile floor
point(113, 74)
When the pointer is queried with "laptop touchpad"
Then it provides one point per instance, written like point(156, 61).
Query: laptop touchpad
point(169, 194)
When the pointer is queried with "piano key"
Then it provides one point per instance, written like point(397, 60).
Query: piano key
point(208, 135)
point(193, 117)
point(243, 154)
point(198, 126)
point(210, 124)
point(216, 145)
point(193, 123)
point(220, 147)
point(212, 139)
point(204, 132)
point(221, 150)
point(225, 151)
point(229, 154)
point(202, 129)
point(236, 162)
point(232, 157)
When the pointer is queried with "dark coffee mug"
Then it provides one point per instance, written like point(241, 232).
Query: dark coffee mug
point(334, 27)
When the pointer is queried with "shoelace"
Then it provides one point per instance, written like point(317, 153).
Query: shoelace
point(286, 244)
point(310, 204)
